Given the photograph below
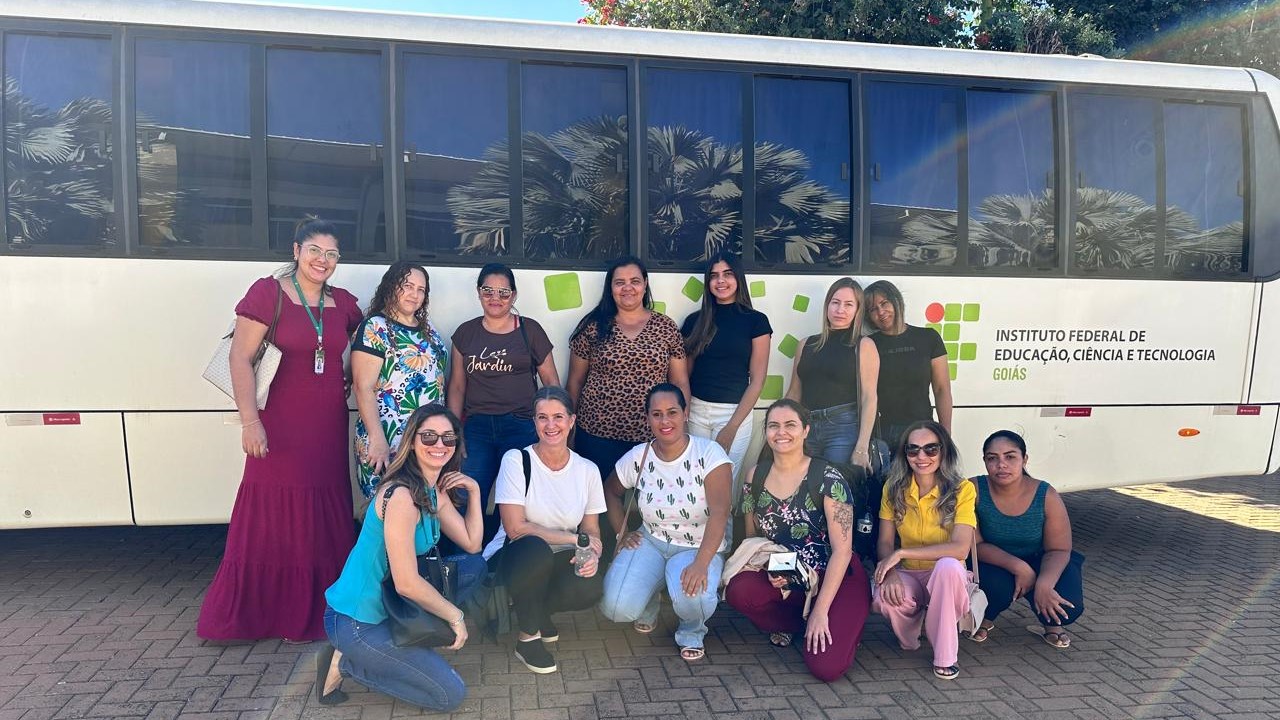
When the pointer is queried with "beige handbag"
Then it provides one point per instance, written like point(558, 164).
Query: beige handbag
point(266, 361)
point(972, 620)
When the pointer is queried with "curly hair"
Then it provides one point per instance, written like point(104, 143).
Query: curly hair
point(948, 476)
point(389, 287)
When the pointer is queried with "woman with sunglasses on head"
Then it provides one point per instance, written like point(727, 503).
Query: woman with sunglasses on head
point(912, 360)
point(497, 360)
point(835, 375)
point(927, 528)
point(397, 365)
point(620, 350)
point(409, 514)
point(550, 499)
point(803, 504)
point(291, 524)
point(1024, 543)
point(682, 490)
point(727, 342)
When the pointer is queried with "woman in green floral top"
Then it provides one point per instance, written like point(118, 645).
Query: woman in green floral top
point(781, 503)
point(397, 365)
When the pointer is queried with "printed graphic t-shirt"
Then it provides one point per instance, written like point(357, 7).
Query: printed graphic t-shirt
point(500, 367)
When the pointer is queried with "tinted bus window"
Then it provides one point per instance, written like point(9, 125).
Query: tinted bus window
point(457, 190)
point(58, 122)
point(694, 147)
point(913, 138)
point(802, 164)
point(1204, 188)
point(192, 125)
point(573, 151)
point(325, 143)
point(1114, 152)
point(1011, 200)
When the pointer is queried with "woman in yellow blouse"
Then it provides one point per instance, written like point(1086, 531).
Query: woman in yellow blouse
point(927, 527)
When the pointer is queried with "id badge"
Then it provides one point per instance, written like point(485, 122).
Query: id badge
point(319, 361)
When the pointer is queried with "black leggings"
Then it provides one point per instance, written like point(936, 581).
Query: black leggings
point(541, 582)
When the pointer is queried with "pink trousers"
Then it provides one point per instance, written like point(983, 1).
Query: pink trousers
point(935, 600)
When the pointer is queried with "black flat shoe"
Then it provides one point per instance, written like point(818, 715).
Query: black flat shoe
point(324, 659)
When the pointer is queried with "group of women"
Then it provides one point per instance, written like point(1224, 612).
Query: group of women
point(653, 416)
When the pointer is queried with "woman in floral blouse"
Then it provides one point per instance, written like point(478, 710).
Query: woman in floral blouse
point(397, 365)
point(781, 504)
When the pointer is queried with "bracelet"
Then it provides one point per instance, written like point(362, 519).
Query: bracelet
point(856, 452)
point(461, 616)
point(251, 424)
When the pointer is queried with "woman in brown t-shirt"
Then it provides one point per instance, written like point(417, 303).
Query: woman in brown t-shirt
point(618, 351)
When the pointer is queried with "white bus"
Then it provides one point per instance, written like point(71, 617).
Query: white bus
point(1094, 239)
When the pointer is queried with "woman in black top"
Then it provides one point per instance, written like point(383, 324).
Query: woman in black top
point(835, 375)
point(728, 344)
point(913, 360)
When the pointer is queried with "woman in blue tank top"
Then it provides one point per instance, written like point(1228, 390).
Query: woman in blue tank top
point(410, 510)
point(1024, 543)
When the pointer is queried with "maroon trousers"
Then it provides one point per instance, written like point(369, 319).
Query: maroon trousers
point(750, 593)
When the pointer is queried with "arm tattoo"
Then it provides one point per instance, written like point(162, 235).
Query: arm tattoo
point(844, 517)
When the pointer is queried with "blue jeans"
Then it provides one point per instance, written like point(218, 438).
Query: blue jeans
point(488, 437)
point(833, 433)
point(632, 583)
point(416, 675)
point(604, 452)
point(471, 570)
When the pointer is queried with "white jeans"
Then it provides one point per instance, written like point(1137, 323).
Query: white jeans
point(707, 419)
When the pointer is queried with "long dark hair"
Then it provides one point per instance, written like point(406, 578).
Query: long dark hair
point(705, 328)
point(306, 228)
point(390, 285)
point(404, 469)
point(602, 315)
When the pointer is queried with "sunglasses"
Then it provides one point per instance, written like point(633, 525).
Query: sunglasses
point(930, 450)
point(429, 437)
point(489, 292)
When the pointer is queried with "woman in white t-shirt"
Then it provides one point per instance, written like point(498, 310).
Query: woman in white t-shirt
point(682, 489)
point(545, 511)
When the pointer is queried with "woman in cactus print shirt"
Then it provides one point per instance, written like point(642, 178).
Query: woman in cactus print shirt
point(397, 365)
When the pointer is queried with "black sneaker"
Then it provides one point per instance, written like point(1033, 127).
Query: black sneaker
point(534, 655)
point(550, 633)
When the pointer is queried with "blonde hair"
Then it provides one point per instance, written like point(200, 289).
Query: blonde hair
point(948, 476)
point(856, 335)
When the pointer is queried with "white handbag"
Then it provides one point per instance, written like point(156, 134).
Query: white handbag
point(266, 361)
point(972, 620)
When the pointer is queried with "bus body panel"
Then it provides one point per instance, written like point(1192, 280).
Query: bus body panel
point(183, 467)
point(62, 469)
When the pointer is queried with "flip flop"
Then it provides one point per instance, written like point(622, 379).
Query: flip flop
point(692, 654)
point(983, 633)
point(1053, 638)
point(946, 673)
point(781, 639)
point(643, 628)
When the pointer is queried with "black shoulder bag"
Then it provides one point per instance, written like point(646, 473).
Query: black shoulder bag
point(410, 624)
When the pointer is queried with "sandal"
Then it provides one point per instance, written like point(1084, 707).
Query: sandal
point(780, 639)
point(946, 673)
point(692, 654)
point(983, 633)
point(643, 628)
point(1053, 638)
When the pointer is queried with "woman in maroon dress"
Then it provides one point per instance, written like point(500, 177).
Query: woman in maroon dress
point(291, 528)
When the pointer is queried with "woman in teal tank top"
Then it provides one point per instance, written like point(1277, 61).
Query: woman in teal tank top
point(404, 520)
point(1024, 543)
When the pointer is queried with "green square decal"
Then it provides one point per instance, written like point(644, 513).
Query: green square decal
point(968, 351)
point(953, 351)
point(692, 289)
point(951, 332)
point(772, 389)
point(659, 307)
point(936, 327)
point(563, 291)
point(953, 312)
point(971, 312)
point(951, 370)
point(788, 345)
point(757, 288)
point(801, 303)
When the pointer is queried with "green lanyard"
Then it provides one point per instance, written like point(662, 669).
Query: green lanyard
point(317, 324)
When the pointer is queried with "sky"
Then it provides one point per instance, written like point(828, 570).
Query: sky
point(550, 10)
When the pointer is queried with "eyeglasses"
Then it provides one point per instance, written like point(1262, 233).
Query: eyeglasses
point(930, 450)
point(315, 252)
point(429, 437)
point(489, 292)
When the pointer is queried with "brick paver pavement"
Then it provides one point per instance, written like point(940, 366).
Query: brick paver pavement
point(1181, 586)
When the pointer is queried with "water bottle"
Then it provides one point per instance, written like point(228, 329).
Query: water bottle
point(582, 553)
